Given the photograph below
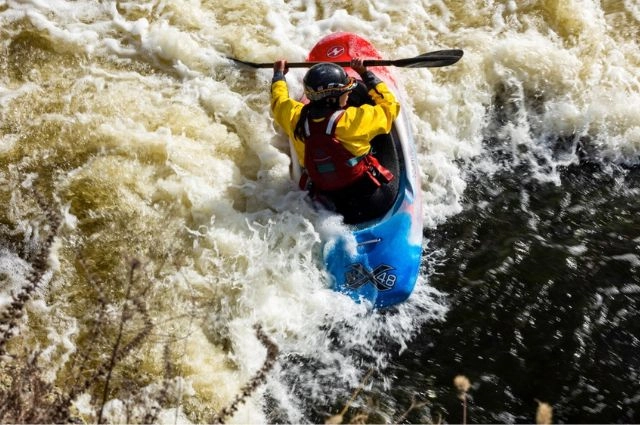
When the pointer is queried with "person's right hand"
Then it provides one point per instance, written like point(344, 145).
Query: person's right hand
point(357, 64)
point(280, 65)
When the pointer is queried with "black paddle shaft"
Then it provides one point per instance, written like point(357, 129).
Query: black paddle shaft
point(426, 60)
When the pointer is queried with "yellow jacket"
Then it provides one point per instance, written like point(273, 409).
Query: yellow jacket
point(356, 127)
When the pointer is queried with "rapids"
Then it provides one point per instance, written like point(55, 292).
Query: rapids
point(142, 177)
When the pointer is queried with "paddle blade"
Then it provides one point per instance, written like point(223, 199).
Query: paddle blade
point(251, 64)
point(431, 59)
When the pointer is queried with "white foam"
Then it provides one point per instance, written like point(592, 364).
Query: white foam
point(183, 141)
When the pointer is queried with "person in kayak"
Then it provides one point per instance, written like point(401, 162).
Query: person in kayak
point(333, 140)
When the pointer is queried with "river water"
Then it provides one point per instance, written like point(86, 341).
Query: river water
point(126, 120)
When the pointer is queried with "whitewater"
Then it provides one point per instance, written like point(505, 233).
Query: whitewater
point(128, 121)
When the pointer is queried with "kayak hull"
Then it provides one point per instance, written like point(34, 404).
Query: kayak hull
point(378, 261)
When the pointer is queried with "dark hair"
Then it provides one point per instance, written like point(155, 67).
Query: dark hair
point(299, 131)
point(315, 109)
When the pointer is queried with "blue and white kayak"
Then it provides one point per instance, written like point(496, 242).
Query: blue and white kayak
point(378, 261)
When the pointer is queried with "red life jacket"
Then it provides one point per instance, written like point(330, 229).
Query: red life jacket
point(329, 165)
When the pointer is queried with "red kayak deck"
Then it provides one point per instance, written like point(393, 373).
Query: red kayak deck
point(343, 46)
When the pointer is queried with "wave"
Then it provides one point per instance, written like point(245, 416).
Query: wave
point(132, 124)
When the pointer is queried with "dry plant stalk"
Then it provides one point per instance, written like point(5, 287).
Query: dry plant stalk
point(414, 405)
point(26, 398)
point(360, 418)
point(120, 351)
point(462, 385)
point(9, 318)
point(544, 413)
point(258, 379)
point(133, 304)
point(163, 397)
point(339, 418)
point(25, 395)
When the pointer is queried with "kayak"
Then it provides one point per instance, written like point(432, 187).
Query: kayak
point(376, 261)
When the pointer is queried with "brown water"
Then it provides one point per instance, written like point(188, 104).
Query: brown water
point(125, 120)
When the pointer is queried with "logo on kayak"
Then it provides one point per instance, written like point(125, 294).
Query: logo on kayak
point(359, 275)
point(335, 51)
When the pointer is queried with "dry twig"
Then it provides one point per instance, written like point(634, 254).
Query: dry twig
point(258, 379)
point(39, 266)
point(414, 405)
point(463, 385)
point(339, 418)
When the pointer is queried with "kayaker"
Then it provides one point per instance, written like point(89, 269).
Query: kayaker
point(333, 140)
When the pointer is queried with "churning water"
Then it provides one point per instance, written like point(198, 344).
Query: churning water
point(125, 120)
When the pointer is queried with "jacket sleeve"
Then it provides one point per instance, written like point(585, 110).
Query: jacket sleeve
point(286, 112)
point(359, 125)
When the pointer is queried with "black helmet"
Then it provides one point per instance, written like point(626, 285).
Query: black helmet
point(324, 80)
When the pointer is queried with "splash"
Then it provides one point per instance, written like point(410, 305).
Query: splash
point(132, 124)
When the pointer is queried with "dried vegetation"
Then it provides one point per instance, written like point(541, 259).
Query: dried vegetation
point(97, 369)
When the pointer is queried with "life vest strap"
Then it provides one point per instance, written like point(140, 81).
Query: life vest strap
point(352, 162)
point(377, 172)
point(333, 122)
